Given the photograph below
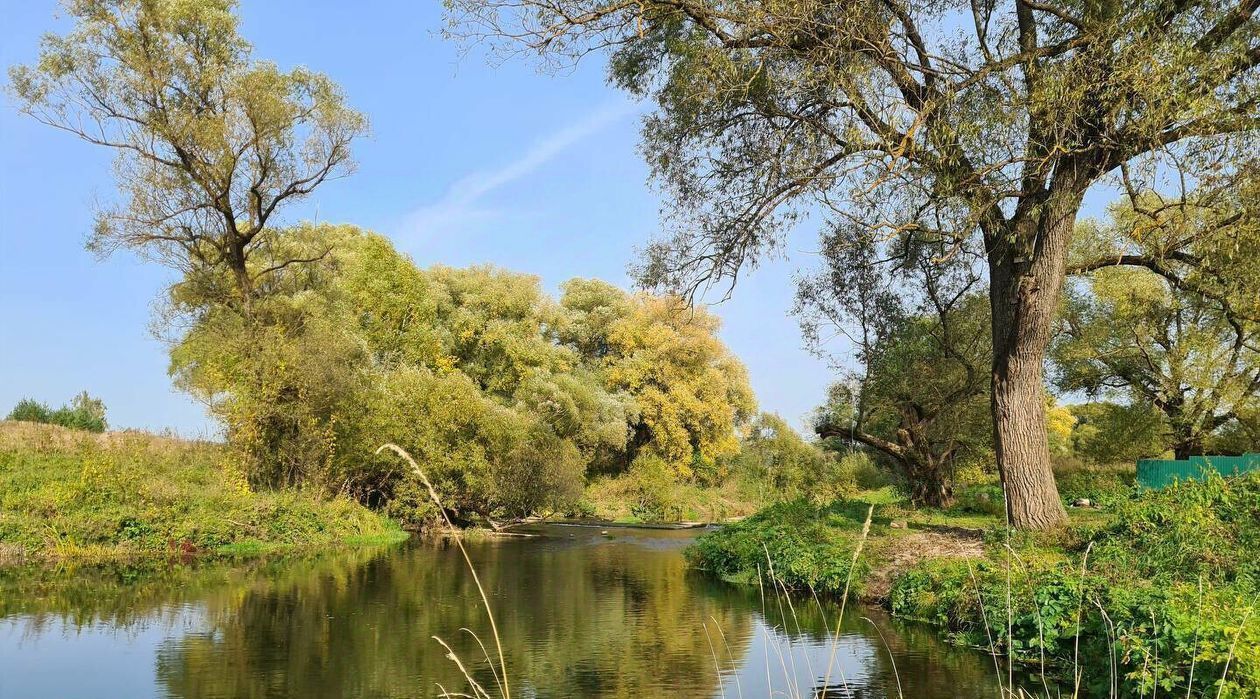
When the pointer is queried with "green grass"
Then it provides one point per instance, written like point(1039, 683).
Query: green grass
point(1162, 581)
point(70, 495)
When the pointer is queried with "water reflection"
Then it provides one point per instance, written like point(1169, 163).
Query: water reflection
point(581, 615)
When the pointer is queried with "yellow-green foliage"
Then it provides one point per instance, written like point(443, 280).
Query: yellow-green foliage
point(773, 463)
point(210, 143)
point(1107, 432)
point(506, 396)
point(690, 390)
point(71, 494)
point(1182, 352)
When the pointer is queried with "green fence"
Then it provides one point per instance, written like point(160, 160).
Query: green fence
point(1157, 473)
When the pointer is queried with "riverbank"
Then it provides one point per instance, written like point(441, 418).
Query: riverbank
point(1162, 586)
point(580, 615)
point(69, 495)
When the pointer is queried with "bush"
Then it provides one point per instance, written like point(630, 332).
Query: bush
point(30, 410)
point(1153, 632)
point(1100, 484)
point(862, 470)
point(808, 547)
point(83, 413)
point(1208, 528)
point(775, 463)
point(1139, 596)
point(981, 499)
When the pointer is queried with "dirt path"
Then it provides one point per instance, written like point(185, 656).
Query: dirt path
point(898, 554)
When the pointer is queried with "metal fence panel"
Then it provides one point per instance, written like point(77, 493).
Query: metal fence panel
point(1157, 473)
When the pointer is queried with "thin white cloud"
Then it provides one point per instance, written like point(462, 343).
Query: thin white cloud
point(462, 206)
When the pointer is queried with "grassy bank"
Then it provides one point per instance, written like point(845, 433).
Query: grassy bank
point(72, 495)
point(623, 499)
point(1156, 593)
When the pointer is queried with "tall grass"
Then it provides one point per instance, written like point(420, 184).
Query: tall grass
point(70, 495)
point(501, 674)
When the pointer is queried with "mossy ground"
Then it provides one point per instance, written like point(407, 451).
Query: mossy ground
point(72, 495)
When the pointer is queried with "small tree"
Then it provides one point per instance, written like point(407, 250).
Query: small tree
point(210, 143)
point(29, 410)
point(919, 394)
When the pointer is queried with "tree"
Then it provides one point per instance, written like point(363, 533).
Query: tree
point(920, 330)
point(289, 381)
point(1177, 339)
point(1111, 433)
point(29, 410)
point(957, 121)
point(507, 397)
point(210, 143)
point(690, 393)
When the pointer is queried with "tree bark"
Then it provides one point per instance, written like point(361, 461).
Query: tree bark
point(1026, 265)
point(1187, 447)
point(932, 486)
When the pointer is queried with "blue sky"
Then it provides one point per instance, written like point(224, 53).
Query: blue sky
point(469, 162)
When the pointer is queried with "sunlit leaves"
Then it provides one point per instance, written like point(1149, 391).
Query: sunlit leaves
point(507, 396)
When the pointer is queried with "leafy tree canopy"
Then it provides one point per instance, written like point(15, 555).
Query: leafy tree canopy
point(211, 144)
point(506, 396)
point(981, 124)
point(1158, 331)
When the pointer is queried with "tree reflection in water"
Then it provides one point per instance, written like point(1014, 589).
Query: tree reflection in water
point(581, 615)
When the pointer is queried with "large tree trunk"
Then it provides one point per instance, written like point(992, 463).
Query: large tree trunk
point(931, 486)
point(1187, 446)
point(1026, 272)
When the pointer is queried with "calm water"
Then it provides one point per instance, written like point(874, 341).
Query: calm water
point(581, 615)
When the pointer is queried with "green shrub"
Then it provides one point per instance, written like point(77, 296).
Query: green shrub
point(83, 413)
point(981, 499)
point(809, 547)
point(1099, 484)
point(1207, 528)
point(865, 473)
point(1138, 594)
point(29, 410)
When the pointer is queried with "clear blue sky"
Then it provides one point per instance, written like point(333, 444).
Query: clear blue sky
point(468, 163)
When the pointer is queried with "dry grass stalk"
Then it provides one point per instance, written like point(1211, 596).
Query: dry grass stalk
point(844, 597)
point(500, 677)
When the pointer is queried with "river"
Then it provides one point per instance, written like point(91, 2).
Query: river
point(581, 613)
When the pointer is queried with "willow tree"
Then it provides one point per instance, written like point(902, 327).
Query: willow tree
point(211, 144)
point(686, 394)
point(917, 392)
point(985, 119)
point(1166, 311)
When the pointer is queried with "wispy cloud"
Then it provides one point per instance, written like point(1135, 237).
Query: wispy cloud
point(462, 204)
